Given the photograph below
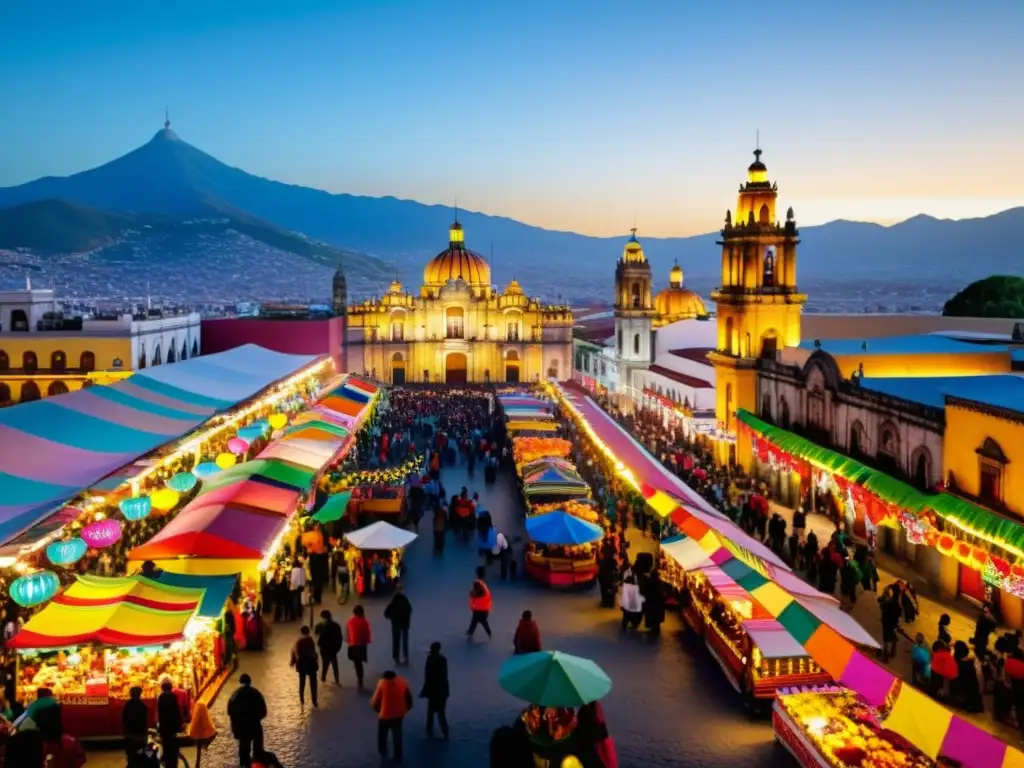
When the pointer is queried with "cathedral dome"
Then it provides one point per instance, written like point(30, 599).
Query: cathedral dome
point(457, 261)
point(514, 288)
point(676, 302)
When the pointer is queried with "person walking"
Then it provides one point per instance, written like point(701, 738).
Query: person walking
point(435, 690)
point(392, 701)
point(479, 604)
point(399, 613)
point(358, 637)
point(135, 724)
point(527, 636)
point(246, 710)
point(329, 639)
point(296, 585)
point(305, 663)
point(168, 717)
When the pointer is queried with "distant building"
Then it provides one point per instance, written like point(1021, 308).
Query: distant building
point(459, 328)
point(43, 353)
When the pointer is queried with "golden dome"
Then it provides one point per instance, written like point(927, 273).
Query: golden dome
point(676, 302)
point(633, 253)
point(457, 261)
point(514, 288)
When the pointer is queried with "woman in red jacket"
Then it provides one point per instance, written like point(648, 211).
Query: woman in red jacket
point(357, 634)
point(527, 636)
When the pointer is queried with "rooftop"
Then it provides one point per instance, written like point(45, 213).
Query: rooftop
point(695, 354)
point(924, 344)
point(681, 378)
point(1002, 391)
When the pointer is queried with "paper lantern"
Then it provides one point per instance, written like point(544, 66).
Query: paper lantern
point(165, 499)
point(34, 588)
point(226, 460)
point(183, 482)
point(946, 543)
point(263, 425)
point(278, 420)
point(237, 445)
point(205, 469)
point(66, 552)
point(136, 508)
point(102, 534)
point(250, 434)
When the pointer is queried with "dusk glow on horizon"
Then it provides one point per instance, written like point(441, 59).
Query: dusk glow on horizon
point(574, 115)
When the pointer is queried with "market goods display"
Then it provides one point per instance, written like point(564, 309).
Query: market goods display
point(527, 449)
point(549, 725)
point(584, 509)
point(846, 731)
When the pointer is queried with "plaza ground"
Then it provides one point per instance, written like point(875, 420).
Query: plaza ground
point(670, 704)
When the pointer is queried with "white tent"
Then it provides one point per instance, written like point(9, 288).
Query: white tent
point(380, 535)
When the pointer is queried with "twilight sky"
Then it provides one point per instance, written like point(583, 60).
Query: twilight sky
point(568, 114)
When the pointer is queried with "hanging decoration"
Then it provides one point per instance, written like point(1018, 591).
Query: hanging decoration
point(34, 588)
point(165, 499)
point(205, 469)
point(67, 552)
point(237, 445)
point(136, 508)
point(102, 534)
point(250, 434)
point(226, 460)
point(945, 544)
point(278, 421)
point(263, 425)
point(183, 482)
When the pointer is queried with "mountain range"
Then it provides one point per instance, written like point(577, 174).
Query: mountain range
point(167, 186)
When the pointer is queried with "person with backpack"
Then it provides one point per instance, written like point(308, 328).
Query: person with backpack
point(329, 639)
point(305, 662)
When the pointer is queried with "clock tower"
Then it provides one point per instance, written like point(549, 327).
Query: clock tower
point(634, 312)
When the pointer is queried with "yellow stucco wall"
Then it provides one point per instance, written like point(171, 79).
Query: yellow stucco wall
point(966, 431)
point(105, 349)
point(481, 358)
point(890, 366)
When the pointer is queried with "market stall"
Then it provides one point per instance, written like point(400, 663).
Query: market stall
point(379, 561)
point(584, 509)
point(552, 483)
point(101, 637)
point(562, 549)
point(529, 449)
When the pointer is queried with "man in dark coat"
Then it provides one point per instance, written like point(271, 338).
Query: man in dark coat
point(399, 613)
point(329, 639)
point(435, 690)
point(246, 709)
point(168, 717)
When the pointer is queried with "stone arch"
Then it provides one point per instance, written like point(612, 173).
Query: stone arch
point(764, 215)
point(769, 344)
point(889, 438)
point(769, 268)
point(195, 348)
point(397, 368)
point(456, 368)
point(172, 354)
point(158, 356)
point(396, 320)
point(785, 418)
point(512, 366)
point(29, 363)
point(5, 361)
point(56, 388)
point(58, 361)
point(5, 394)
point(824, 363)
point(29, 391)
point(184, 351)
point(87, 361)
point(455, 323)
point(143, 361)
point(858, 438)
point(766, 406)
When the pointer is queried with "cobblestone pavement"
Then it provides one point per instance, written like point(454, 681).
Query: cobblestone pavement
point(670, 704)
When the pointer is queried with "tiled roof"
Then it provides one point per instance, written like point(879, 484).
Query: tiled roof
point(696, 354)
point(682, 378)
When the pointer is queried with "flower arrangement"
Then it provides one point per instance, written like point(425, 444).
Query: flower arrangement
point(549, 724)
point(527, 449)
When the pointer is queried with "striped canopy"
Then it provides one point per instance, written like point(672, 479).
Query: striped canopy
point(114, 612)
point(52, 449)
point(220, 531)
point(253, 492)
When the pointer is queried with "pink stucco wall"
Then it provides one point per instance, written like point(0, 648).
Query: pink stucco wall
point(297, 337)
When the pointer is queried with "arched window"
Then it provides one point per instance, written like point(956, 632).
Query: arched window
point(769, 345)
point(142, 359)
point(636, 295)
point(56, 388)
point(991, 469)
point(158, 357)
point(727, 345)
point(728, 406)
point(455, 320)
point(29, 392)
point(184, 351)
point(636, 344)
point(620, 342)
point(553, 369)
point(87, 361)
point(857, 435)
point(816, 408)
point(195, 348)
point(172, 354)
point(5, 394)
point(5, 361)
point(768, 280)
point(19, 321)
point(766, 407)
point(784, 419)
point(763, 215)
point(888, 453)
point(921, 467)
point(58, 362)
point(29, 363)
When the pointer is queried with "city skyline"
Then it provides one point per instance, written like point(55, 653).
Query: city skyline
point(559, 118)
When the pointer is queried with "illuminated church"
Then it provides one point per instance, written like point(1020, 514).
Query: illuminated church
point(459, 328)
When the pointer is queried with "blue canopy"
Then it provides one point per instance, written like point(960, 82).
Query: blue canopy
point(218, 590)
point(559, 527)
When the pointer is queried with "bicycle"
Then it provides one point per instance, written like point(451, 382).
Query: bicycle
point(151, 756)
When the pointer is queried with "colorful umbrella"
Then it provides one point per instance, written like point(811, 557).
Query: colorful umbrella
point(559, 527)
point(554, 679)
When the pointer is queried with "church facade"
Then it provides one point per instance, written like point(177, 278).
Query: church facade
point(459, 329)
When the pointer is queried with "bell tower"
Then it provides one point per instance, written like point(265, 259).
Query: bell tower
point(758, 304)
point(634, 312)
